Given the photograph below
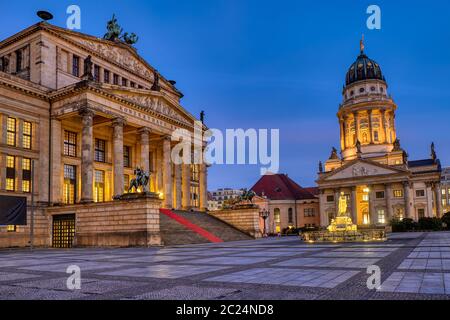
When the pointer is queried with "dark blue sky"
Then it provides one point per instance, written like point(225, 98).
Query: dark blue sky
point(281, 64)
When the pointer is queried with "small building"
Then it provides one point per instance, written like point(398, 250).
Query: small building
point(221, 196)
point(289, 205)
point(445, 189)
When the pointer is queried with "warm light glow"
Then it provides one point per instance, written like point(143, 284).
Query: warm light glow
point(366, 190)
point(161, 195)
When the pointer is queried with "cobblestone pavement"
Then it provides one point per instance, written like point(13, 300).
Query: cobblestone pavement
point(413, 266)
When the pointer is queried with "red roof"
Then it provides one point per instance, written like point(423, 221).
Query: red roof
point(313, 190)
point(281, 187)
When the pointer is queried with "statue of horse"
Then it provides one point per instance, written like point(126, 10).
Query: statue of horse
point(142, 179)
point(248, 195)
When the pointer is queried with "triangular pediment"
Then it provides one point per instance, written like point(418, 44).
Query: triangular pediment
point(361, 169)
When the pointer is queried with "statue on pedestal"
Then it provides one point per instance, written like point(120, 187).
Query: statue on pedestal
point(141, 180)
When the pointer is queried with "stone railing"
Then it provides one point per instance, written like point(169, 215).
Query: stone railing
point(245, 219)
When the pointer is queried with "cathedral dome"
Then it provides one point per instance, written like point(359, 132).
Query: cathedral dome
point(363, 68)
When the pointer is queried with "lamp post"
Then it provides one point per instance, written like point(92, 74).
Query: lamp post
point(264, 214)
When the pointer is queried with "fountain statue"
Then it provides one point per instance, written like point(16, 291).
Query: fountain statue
point(342, 222)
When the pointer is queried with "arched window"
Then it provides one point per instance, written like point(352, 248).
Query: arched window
point(290, 216)
point(375, 136)
point(276, 216)
point(364, 137)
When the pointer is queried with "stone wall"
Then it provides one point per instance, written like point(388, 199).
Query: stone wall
point(120, 223)
point(246, 220)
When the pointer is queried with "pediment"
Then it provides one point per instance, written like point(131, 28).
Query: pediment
point(156, 104)
point(360, 169)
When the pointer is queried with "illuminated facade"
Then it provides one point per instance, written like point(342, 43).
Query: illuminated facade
point(372, 170)
point(86, 133)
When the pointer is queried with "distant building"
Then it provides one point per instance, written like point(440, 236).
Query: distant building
point(219, 196)
point(289, 204)
point(445, 189)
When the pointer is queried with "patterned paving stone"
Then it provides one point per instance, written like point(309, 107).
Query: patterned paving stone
point(426, 264)
point(349, 254)
point(230, 260)
point(417, 282)
point(19, 293)
point(328, 262)
point(4, 276)
point(163, 271)
point(279, 276)
point(84, 266)
point(186, 293)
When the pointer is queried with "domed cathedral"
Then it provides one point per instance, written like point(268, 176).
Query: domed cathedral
point(373, 170)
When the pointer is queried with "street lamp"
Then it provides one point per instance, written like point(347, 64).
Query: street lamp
point(264, 214)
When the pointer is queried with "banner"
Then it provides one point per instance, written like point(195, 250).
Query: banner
point(13, 210)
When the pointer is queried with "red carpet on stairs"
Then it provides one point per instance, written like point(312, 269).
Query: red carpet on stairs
point(205, 234)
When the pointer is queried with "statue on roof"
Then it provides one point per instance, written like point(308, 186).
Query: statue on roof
point(433, 152)
point(397, 146)
point(334, 155)
point(114, 30)
point(155, 86)
point(130, 38)
point(320, 167)
point(202, 116)
point(88, 66)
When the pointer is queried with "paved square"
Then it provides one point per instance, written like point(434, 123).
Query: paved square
point(413, 266)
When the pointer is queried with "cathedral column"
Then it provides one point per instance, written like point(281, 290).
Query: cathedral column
point(203, 186)
point(145, 149)
point(406, 194)
point(167, 173)
point(387, 196)
point(337, 195)
point(438, 191)
point(178, 186)
point(342, 126)
point(323, 215)
point(354, 206)
point(118, 156)
point(87, 156)
point(372, 214)
point(369, 114)
point(186, 186)
point(56, 166)
point(384, 124)
point(429, 200)
point(355, 117)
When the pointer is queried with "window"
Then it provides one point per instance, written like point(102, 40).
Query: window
point(26, 135)
point(151, 157)
point(364, 123)
point(100, 148)
point(375, 136)
point(76, 66)
point(26, 175)
point(97, 73)
point(116, 79)
point(124, 82)
point(194, 172)
point(330, 198)
point(4, 61)
point(10, 173)
point(126, 183)
point(99, 187)
point(126, 157)
point(443, 192)
point(399, 213)
point(19, 59)
point(106, 75)
point(379, 194)
point(420, 193)
point(194, 196)
point(11, 229)
point(70, 144)
point(290, 216)
point(365, 197)
point(309, 212)
point(381, 216)
point(132, 84)
point(277, 216)
point(366, 217)
point(11, 132)
point(421, 213)
point(398, 193)
point(70, 184)
point(361, 90)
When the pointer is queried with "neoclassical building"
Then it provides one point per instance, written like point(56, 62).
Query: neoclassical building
point(373, 170)
point(87, 111)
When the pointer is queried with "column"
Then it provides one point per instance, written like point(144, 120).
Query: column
point(369, 113)
point(42, 170)
point(387, 196)
point(406, 194)
point(337, 194)
point(2, 172)
point(438, 191)
point(145, 149)
point(56, 166)
point(342, 126)
point(429, 199)
point(19, 137)
point(159, 169)
point(203, 186)
point(186, 185)
point(178, 187)
point(372, 212)
point(167, 173)
point(87, 156)
point(383, 123)
point(323, 214)
point(355, 117)
point(118, 157)
point(354, 206)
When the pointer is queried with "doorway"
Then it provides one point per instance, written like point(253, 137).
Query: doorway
point(63, 231)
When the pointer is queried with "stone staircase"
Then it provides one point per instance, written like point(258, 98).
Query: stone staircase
point(196, 227)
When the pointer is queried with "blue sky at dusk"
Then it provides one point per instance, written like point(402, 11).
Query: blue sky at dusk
point(282, 64)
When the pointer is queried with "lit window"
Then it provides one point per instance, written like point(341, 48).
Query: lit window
point(277, 216)
point(194, 173)
point(126, 157)
point(375, 136)
point(398, 193)
point(194, 197)
point(99, 188)
point(421, 213)
point(366, 218)
point(10, 173)
point(11, 228)
point(70, 184)
point(70, 144)
point(399, 213)
point(381, 216)
point(11, 132)
point(26, 135)
point(365, 197)
point(26, 175)
point(100, 148)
